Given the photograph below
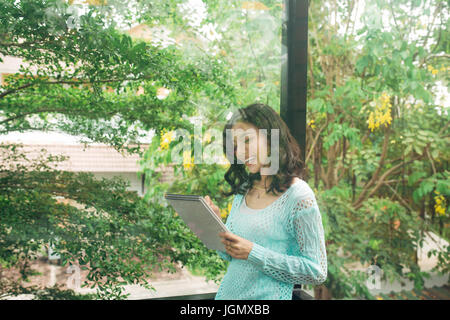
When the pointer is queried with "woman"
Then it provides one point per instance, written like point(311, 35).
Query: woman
point(276, 236)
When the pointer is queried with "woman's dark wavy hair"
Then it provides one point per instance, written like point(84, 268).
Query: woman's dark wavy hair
point(290, 163)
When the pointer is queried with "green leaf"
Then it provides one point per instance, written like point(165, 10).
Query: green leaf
point(435, 153)
point(362, 63)
point(404, 54)
point(408, 149)
point(414, 177)
point(316, 105)
point(417, 149)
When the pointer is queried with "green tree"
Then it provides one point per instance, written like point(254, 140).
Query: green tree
point(82, 75)
point(377, 137)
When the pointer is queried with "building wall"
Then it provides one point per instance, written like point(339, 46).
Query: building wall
point(135, 179)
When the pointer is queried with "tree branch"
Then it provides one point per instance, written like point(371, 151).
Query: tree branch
point(431, 160)
point(27, 113)
point(398, 196)
point(358, 203)
point(380, 166)
point(3, 94)
point(315, 141)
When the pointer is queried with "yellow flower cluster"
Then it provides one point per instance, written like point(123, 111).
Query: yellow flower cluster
point(436, 71)
point(166, 139)
point(382, 114)
point(311, 124)
point(439, 206)
point(225, 212)
point(188, 161)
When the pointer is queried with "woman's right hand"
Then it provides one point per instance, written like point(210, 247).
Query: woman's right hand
point(213, 206)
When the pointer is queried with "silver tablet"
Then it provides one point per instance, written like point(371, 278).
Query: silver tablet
point(200, 218)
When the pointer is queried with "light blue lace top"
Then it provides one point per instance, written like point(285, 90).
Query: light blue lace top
point(288, 247)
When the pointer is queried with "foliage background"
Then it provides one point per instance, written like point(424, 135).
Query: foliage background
point(377, 136)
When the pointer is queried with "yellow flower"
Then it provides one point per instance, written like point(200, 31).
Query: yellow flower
point(440, 205)
point(226, 212)
point(311, 124)
point(166, 139)
point(385, 98)
point(225, 163)
point(382, 113)
point(188, 161)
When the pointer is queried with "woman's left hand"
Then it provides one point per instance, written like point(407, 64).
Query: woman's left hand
point(237, 247)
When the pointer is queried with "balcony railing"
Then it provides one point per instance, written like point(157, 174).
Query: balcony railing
point(297, 294)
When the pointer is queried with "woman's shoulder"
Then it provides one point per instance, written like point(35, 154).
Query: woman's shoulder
point(237, 197)
point(301, 190)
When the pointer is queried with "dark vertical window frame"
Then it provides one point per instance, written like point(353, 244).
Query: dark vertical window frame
point(294, 69)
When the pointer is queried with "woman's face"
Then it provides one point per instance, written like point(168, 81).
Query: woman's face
point(251, 145)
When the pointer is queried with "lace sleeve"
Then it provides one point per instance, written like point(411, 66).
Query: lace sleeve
point(309, 264)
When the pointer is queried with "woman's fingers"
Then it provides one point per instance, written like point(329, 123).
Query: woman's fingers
point(209, 201)
point(229, 236)
point(236, 246)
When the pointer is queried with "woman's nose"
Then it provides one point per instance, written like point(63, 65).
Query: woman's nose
point(243, 153)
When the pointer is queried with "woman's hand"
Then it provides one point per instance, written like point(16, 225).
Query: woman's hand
point(237, 247)
point(213, 206)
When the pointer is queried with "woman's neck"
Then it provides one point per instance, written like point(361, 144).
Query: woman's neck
point(264, 183)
